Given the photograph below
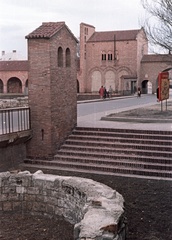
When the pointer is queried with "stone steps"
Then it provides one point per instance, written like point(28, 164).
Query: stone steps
point(112, 151)
point(115, 139)
point(84, 150)
point(105, 163)
point(117, 145)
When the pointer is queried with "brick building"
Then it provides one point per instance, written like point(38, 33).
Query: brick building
point(118, 59)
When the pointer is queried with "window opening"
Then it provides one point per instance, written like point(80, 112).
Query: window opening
point(60, 57)
point(68, 57)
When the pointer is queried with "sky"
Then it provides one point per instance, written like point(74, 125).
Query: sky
point(20, 17)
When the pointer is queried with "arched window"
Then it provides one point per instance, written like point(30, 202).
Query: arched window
point(110, 56)
point(103, 55)
point(68, 60)
point(60, 57)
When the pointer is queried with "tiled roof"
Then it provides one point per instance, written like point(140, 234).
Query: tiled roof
point(47, 30)
point(157, 58)
point(114, 35)
point(14, 66)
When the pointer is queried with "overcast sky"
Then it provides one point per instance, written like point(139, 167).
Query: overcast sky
point(20, 17)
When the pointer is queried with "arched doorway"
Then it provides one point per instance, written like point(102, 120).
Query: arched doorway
point(144, 87)
point(14, 85)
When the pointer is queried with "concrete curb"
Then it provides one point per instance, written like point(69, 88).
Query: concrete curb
point(136, 120)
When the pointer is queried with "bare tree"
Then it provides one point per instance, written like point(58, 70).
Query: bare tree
point(158, 25)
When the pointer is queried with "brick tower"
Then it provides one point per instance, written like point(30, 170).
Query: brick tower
point(52, 87)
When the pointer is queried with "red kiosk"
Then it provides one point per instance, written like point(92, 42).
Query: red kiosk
point(163, 87)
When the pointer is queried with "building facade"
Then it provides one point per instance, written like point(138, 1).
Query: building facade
point(110, 58)
point(118, 59)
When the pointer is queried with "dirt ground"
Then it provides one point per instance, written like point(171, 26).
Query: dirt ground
point(148, 206)
point(27, 227)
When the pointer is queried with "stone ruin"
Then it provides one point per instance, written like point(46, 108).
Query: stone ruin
point(95, 210)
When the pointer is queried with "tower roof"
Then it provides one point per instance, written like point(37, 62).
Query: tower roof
point(47, 30)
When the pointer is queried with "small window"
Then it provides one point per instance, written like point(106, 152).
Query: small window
point(68, 58)
point(86, 31)
point(60, 57)
point(110, 56)
point(103, 57)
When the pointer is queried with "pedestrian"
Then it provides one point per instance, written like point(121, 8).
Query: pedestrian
point(139, 92)
point(101, 92)
point(105, 93)
point(157, 93)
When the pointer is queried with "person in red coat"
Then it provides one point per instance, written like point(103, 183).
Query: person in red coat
point(101, 92)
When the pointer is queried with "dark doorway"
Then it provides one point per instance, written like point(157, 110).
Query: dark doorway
point(145, 87)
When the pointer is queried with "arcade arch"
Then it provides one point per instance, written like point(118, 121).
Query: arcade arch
point(96, 81)
point(110, 79)
point(1, 86)
point(14, 85)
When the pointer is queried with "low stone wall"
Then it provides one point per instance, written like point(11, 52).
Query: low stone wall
point(95, 210)
point(14, 102)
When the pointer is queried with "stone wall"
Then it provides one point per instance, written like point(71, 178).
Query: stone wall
point(14, 102)
point(95, 210)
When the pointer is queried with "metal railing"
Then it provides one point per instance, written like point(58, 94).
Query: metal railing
point(14, 120)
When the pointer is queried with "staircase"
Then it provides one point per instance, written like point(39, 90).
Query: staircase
point(121, 152)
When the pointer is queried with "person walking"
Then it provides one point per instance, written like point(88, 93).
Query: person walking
point(105, 93)
point(139, 92)
point(101, 92)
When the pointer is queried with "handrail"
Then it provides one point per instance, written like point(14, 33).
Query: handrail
point(14, 120)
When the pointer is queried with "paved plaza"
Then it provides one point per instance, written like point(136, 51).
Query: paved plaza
point(145, 117)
